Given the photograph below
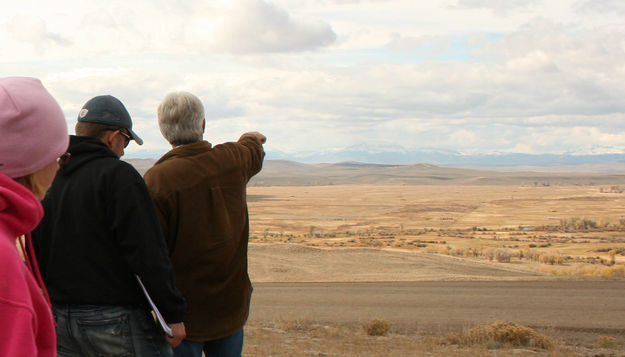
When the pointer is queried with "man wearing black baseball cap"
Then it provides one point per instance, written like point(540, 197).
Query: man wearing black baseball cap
point(108, 110)
point(100, 230)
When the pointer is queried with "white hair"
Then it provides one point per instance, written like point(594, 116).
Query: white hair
point(181, 118)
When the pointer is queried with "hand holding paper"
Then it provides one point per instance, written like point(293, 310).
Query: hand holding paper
point(179, 332)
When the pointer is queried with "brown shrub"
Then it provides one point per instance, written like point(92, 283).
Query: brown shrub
point(617, 271)
point(503, 256)
point(502, 333)
point(606, 342)
point(378, 327)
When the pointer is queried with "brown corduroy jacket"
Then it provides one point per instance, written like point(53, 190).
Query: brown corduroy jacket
point(200, 195)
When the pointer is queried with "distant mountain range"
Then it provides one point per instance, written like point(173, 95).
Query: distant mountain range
point(290, 173)
point(392, 164)
point(396, 155)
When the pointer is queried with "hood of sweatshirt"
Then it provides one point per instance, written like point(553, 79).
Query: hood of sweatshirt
point(20, 210)
point(84, 149)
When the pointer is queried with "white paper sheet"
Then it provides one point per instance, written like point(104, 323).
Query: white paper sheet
point(159, 317)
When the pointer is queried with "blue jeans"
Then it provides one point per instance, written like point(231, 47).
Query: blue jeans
point(98, 330)
point(230, 346)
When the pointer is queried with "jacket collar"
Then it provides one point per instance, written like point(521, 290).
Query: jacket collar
point(185, 150)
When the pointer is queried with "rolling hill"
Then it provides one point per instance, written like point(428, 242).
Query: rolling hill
point(291, 173)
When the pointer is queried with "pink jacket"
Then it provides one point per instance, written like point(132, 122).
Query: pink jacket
point(27, 323)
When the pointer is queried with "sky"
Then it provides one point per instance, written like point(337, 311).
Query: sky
point(470, 76)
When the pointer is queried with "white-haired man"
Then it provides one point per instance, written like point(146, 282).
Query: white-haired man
point(200, 195)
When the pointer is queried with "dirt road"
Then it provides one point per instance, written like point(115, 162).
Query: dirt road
point(591, 306)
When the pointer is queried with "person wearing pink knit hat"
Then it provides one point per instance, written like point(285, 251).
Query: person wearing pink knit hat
point(33, 143)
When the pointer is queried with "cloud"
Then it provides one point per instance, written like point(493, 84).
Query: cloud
point(256, 26)
point(101, 18)
point(33, 31)
point(533, 62)
point(340, 2)
point(603, 6)
point(573, 69)
point(500, 7)
point(399, 42)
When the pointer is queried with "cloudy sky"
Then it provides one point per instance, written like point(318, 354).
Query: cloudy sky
point(473, 76)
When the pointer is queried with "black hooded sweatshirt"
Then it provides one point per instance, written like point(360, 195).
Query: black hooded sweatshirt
point(100, 228)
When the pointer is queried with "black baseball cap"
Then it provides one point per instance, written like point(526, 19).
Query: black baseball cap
point(106, 109)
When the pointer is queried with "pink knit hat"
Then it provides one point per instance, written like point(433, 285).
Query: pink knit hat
point(33, 131)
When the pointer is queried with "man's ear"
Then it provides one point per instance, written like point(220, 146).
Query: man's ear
point(203, 125)
point(108, 137)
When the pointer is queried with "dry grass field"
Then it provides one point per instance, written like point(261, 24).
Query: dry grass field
point(398, 232)
point(530, 224)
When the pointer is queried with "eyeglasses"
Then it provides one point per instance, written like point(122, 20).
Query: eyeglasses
point(63, 159)
point(128, 138)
